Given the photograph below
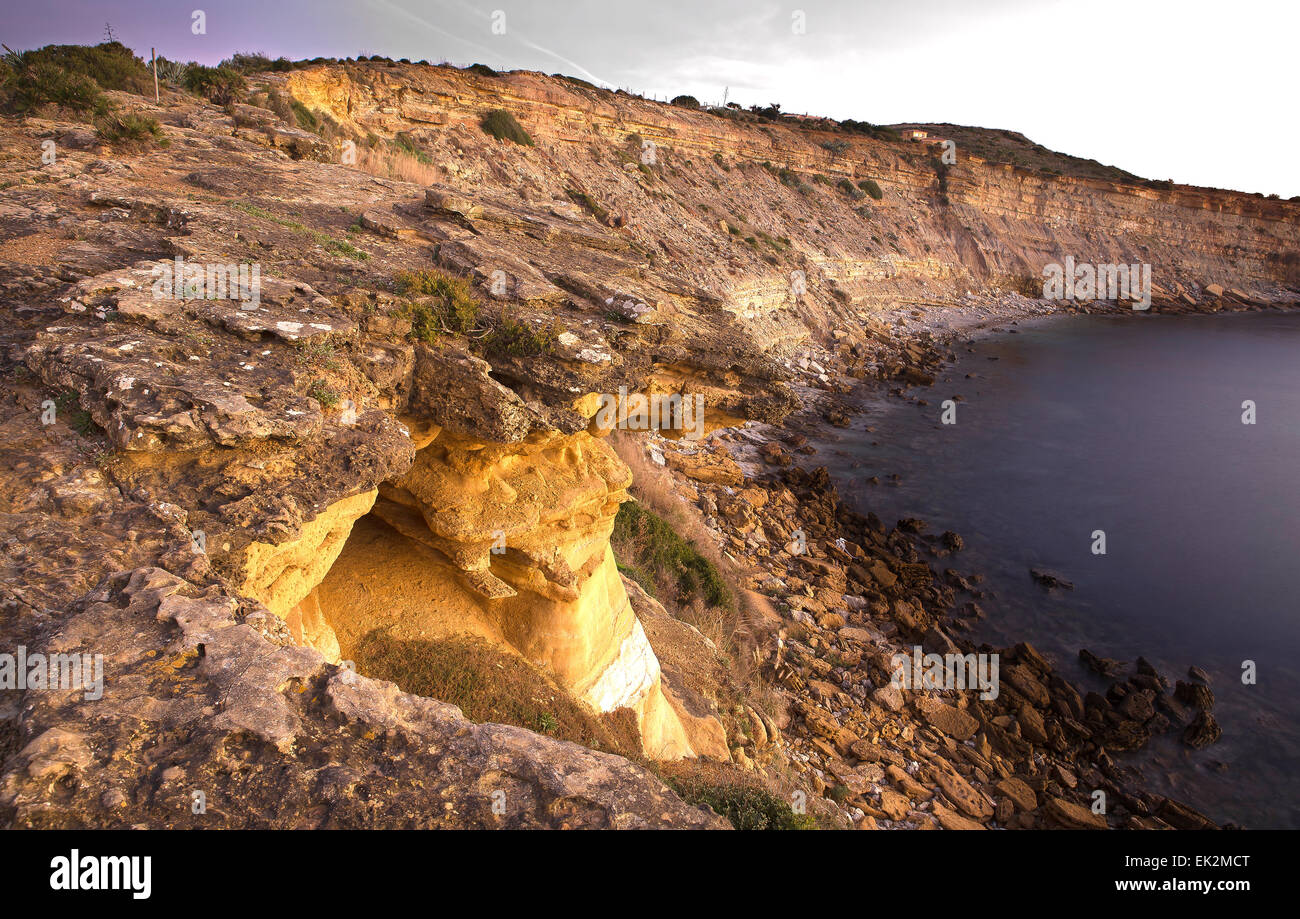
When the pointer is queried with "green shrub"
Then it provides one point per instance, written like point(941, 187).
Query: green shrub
point(47, 84)
point(255, 62)
point(327, 397)
point(482, 70)
point(246, 62)
point(70, 76)
point(219, 85)
point(686, 101)
point(503, 126)
point(279, 103)
point(67, 405)
point(871, 188)
point(512, 338)
point(448, 303)
point(644, 540)
point(63, 70)
point(745, 803)
point(130, 130)
point(854, 193)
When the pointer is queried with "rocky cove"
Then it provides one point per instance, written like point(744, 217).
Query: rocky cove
point(233, 505)
point(1116, 420)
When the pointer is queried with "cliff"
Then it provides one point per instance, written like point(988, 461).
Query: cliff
point(225, 499)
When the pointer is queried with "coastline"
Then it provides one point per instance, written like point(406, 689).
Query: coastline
point(1035, 756)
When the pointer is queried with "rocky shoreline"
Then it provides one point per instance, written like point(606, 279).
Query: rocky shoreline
point(853, 593)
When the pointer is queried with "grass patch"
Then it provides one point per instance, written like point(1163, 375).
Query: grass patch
point(649, 543)
point(329, 243)
point(67, 405)
point(406, 144)
point(503, 126)
point(743, 800)
point(319, 391)
point(445, 304)
point(130, 130)
point(304, 116)
point(490, 685)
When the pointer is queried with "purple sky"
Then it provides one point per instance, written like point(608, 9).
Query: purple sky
point(1163, 88)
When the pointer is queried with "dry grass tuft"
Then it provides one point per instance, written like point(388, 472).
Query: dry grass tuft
point(397, 165)
point(490, 685)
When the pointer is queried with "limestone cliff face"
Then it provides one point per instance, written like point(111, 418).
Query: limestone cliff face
point(932, 237)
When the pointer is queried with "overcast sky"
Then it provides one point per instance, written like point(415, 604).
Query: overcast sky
point(1199, 91)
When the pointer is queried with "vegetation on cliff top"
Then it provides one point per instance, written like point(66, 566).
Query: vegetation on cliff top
point(70, 76)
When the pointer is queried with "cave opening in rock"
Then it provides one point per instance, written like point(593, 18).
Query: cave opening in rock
point(500, 550)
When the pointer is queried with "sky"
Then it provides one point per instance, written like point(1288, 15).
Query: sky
point(1198, 91)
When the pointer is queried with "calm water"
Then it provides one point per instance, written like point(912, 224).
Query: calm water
point(1133, 426)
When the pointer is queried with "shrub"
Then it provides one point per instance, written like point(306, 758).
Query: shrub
point(482, 70)
point(71, 76)
point(130, 130)
point(871, 188)
point(850, 189)
point(172, 73)
point(219, 85)
point(644, 540)
point(28, 86)
point(503, 126)
point(512, 338)
point(246, 62)
point(68, 405)
point(279, 103)
point(450, 305)
point(110, 65)
point(836, 147)
point(686, 101)
point(327, 397)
